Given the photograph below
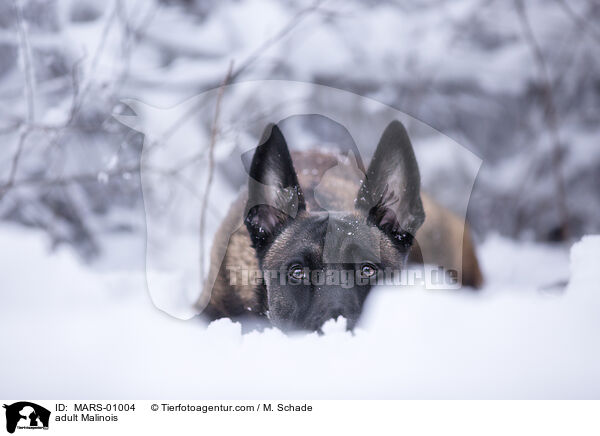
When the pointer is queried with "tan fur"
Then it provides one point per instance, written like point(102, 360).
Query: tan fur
point(231, 247)
point(445, 239)
point(328, 181)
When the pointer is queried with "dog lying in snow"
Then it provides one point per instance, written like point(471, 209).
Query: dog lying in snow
point(376, 222)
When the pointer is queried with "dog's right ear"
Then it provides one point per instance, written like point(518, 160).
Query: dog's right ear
point(391, 194)
point(274, 194)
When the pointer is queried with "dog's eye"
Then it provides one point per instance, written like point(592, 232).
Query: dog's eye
point(296, 272)
point(368, 270)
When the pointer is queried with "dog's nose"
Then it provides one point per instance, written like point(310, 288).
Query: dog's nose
point(336, 312)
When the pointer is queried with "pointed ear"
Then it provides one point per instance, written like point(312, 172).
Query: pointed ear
point(390, 196)
point(274, 194)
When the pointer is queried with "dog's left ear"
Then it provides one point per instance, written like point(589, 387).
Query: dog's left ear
point(274, 194)
point(391, 194)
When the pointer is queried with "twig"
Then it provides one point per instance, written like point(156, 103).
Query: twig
point(200, 155)
point(29, 124)
point(131, 36)
point(15, 163)
point(551, 117)
point(75, 97)
point(291, 25)
point(579, 20)
point(211, 168)
point(82, 93)
point(27, 63)
point(29, 97)
point(243, 66)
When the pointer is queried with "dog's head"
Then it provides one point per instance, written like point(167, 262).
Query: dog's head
point(319, 265)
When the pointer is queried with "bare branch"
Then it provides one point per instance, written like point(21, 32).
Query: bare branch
point(243, 66)
point(131, 36)
point(94, 62)
point(27, 63)
point(551, 117)
point(211, 168)
point(15, 163)
point(29, 97)
point(285, 30)
point(579, 20)
point(80, 92)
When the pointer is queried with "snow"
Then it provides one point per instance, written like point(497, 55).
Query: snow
point(72, 330)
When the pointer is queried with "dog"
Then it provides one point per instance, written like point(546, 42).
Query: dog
point(306, 213)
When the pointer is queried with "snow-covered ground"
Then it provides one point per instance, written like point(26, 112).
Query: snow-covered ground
point(70, 330)
point(465, 70)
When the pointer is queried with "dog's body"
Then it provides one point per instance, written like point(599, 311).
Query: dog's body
point(327, 192)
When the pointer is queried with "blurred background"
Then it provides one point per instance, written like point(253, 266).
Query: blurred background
point(99, 97)
point(515, 82)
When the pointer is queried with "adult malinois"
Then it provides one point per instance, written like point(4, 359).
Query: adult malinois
point(311, 235)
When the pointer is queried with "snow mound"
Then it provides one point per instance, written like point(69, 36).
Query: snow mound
point(584, 264)
point(72, 332)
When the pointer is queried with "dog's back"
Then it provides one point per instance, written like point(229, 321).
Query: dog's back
point(328, 181)
point(444, 239)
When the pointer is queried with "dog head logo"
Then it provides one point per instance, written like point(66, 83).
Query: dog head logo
point(26, 415)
